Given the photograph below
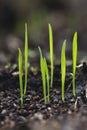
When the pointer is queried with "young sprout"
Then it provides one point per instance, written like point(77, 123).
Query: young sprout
point(43, 73)
point(26, 59)
point(45, 77)
point(23, 88)
point(74, 56)
point(51, 53)
point(20, 74)
point(63, 68)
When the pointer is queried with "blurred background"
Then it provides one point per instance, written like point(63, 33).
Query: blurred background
point(66, 17)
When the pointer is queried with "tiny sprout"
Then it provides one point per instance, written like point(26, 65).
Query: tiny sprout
point(20, 57)
point(51, 52)
point(26, 58)
point(20, 75)
point(45, 77)
point(63, 68)
point(74, 56)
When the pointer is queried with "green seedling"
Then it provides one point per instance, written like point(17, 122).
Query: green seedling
point(63, 68)
point(20, 75)
point(74, 57)
point(43, 74)
point(20, 66)
point(26, 58)
point(47, 80)
point(44, 67)
point(7, 66)
point(51, 53)
point(45, 77)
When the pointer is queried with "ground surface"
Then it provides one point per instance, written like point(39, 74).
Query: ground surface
point(55, 115)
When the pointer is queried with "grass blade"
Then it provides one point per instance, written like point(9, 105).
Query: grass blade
point(26, 58)
point(47, 79)
point(63, 68)
point(20, 74)
point(74, 55)
point(51, 52)
point(43, 74)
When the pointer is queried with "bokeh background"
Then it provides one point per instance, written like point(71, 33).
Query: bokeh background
point(65, 16)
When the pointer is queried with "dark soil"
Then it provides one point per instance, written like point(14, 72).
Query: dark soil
point(55, 115)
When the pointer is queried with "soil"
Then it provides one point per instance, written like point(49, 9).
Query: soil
point(35, 114)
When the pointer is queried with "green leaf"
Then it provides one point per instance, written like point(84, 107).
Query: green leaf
point(20, 74)
point(26, 58)
point(74, 56)
point(51, 52)
point(63, 68)
point(43, 74)
point(47, 79)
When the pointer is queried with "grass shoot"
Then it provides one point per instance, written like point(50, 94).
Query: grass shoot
point(26, 59)
point(45, 77)
point(63, 68)
point(47, 80)
point(74, 57)
point(43, 74)
point(20, 66)
point(51, 53)
point(20, 75)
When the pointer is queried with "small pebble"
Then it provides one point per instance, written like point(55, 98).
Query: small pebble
point(4, 111)
point(38, 116)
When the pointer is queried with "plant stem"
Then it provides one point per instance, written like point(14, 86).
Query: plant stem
point(63, 68)
point(74, 56)
point(20, 75)
point(26, 59)
point(51, 53)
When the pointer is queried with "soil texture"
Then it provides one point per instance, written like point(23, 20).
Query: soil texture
point(35, 114)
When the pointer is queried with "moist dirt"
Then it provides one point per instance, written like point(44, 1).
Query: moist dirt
point(35, 114)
